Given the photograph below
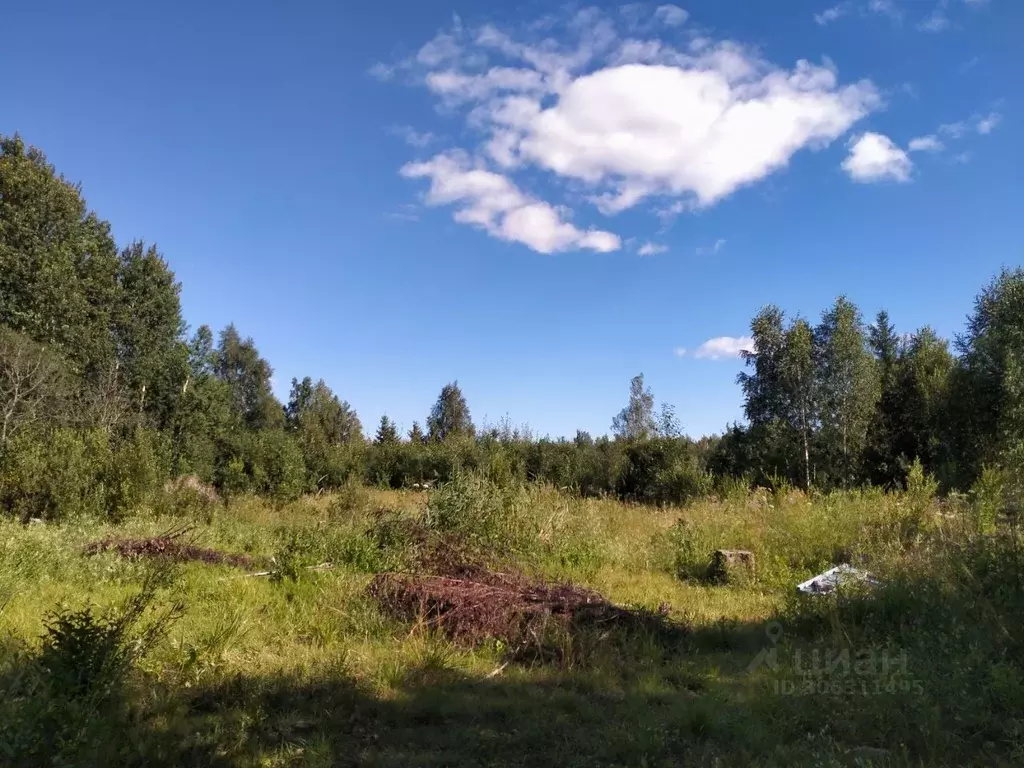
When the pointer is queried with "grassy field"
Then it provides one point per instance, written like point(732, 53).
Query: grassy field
point(301, 667)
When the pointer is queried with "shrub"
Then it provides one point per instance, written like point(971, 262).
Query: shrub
point(65, 474)
point(987, 498)
point(485, 517)
point(134, 472)
point(691, 552)
point(64, 703)
point(665, 471)
point(189, 497)
point(350, 499)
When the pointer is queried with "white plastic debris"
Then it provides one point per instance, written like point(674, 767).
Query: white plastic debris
point(826, 582)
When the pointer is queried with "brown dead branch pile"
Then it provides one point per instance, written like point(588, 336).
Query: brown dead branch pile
point(478, 604)
point(170, 546)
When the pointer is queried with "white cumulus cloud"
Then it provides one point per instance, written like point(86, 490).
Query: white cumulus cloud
point(654, 129)
point(617, 115)
point(722, 347)
point(651, 249)
point(874, 157)
point(493, 203)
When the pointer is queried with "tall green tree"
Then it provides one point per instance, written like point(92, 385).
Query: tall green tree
point(800, 387)
point(779, 402)
point(668, 422)
point(58, 261)
point(988, 394)
point(387, 432)
point(636, 421)
point(315, 408)
point(763, 392)
point(922, 386)
point(239, 365)
point(848, 389)
point(149, 332)
point(884, 344)
point(326, 428)
point(884, 464)
point(33, 385)
point(416, 435)
point(450, 415)
point(205, 428)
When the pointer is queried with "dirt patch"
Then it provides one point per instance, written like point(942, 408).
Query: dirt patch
point(473, 605)
point(170, 546)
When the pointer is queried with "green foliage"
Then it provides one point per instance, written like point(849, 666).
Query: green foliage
point(189, 497)
point(103, 398)
point(636, 421)
point(60, 706)
point(848, 390)
point(35, 388)
point(490, 520)
point(237, 362)
point(663, 470)
point(450, 415)
point(58, 261)
point(387, 432)
point(988, 399)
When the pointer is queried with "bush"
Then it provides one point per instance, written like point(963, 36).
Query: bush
point(189, 497)
point(64, 703)
point(485, 517)
point(135, 471)
point(663, 471)
point(68, 473)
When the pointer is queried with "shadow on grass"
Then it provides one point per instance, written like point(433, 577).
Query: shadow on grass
point(634, 702)
point(708, 696)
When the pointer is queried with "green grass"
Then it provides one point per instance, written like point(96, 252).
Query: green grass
point(273, 672)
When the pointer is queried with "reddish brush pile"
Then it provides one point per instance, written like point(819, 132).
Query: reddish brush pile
point(475, 604)
point(169, 546)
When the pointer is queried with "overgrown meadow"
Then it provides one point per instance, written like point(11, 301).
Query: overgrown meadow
point(287, 657)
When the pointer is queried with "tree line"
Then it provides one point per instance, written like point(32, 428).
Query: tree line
point(105, 394)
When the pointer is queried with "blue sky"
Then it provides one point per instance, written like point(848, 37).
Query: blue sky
point(537, 200)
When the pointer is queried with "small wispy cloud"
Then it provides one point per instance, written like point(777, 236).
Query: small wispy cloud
point(982, 124)
point(887, 8)
point(834, 13)
point(928, 143)
point(679, 351)
point(985, 124)
point(724, 347)
point(651, 249)
point(954, 130)
point(381, 72)
point(970, 64)
point(671, 15)
point(936, 21)
point(405, 212)
point(711, 250)
point(412, 137)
